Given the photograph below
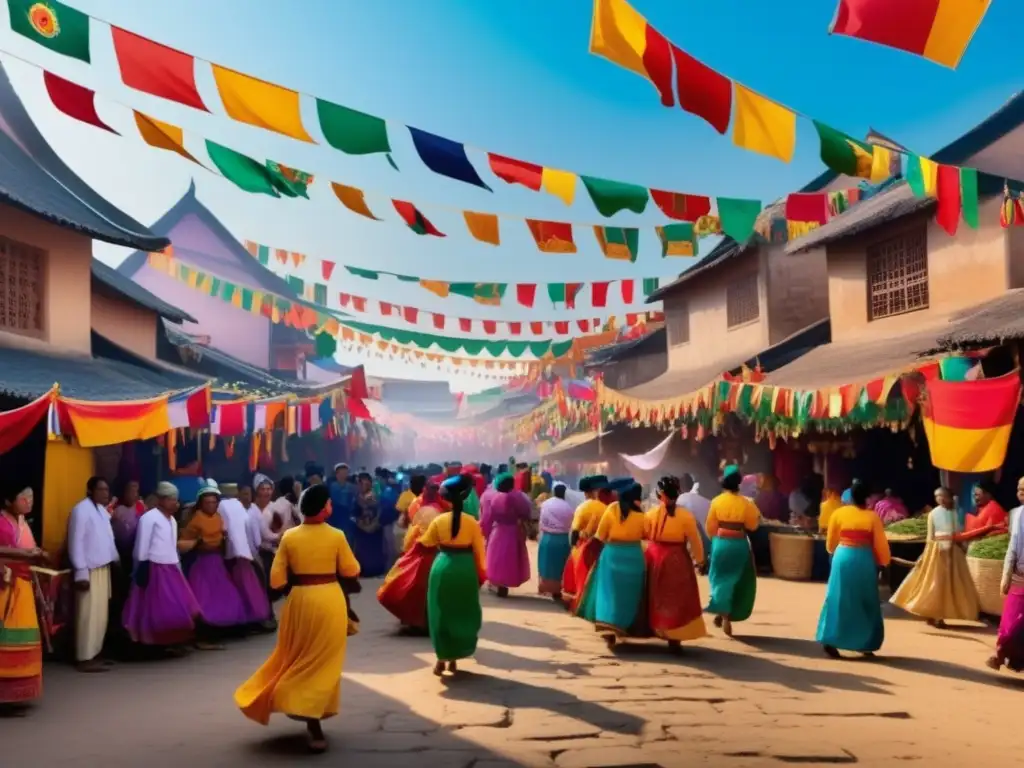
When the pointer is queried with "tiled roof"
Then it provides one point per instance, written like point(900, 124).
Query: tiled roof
point(34, 179)
point(129, 289)
point(29, 374)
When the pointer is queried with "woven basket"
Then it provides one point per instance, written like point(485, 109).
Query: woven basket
point(987, 576)
point(792, 555)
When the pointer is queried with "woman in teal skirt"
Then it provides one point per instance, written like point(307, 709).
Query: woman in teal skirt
point(614, 596)
point(732, 576)
point(454, 615)
point(851, 618)
point(555, 523)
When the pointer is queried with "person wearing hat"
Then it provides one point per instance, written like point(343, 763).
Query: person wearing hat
point(302, 676)
point(205, 537)
point(453, 588)
point(505, 529)
point(241, 552)
point(161, 609)
point(732, 576)
point(585, 548)
point(613, 596)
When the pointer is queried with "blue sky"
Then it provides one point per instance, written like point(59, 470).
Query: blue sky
point(510, 76)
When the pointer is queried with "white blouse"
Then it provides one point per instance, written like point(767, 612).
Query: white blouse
point(156, 539)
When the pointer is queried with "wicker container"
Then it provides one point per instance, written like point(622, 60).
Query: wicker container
point(792, 555)
point(987, 576)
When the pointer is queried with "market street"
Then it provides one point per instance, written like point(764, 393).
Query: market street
point(544, 691)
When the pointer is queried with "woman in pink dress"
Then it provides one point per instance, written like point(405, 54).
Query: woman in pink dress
point(505, 522)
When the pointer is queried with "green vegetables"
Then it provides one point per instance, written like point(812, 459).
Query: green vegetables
point(990, 548)
point(912, 526)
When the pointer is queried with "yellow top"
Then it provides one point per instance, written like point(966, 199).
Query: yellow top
point(312, 550)
point(587, 516)
point(208, 529)
point(678, 528)
point(828, 506)
point(850, 519)
point(439, 534)
point(613, 528)
point(404, 501)
point(422, 516)
point(728, 507)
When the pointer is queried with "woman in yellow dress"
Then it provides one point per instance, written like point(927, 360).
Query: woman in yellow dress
point(21, 650)
point(674, 611)
point(453, 588)
point(585, 549)
point(302, 677)
point(732, 576)
point(940, 586)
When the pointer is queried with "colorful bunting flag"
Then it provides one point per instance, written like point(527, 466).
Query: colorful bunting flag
point(415, 220)
point(681, 207)
point(289, 181)
point(74, 100)
point(560, 184)
point(610, 197)
point(354, 199)
point(483, 227)
point(678, 240)
point(618, 242)
point(763, 125)
point(844, 154)
point(922, 175)
point(445, 157)
point(245, 173)
point(53, 25)
point(938, 30)
point(969, 196)
point(153, 68)
point(703, 91)
point(948, 193)
point(513, 171)
point(162, 135)
point(257, 102)
point(738, 217)
point(552, 236)
point(807, 207)
point(623, 36)
point(352, 132)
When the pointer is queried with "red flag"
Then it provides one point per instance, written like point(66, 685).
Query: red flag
point(74, 100)
point(561, 327)
point(490, 327)
point(327, 269)
point(599, 294)
point(439, 321)
point(536, 328)
point(681, 207)
point(516, 171)
point(386, 308)
point(410, 314)
point(658, 63)
point(947, 190)
point(703, 91)
point(584, 325)
point(526, 293)
point(627, 291)
point(156, 69)
point(807, 207)
point(415, 219)
point(515, 328)
point(465, 324)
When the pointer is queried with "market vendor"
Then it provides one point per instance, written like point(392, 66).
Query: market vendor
point(989, 517)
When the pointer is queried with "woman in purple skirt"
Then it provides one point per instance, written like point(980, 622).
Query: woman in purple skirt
point(243, 540)
point(504, 524)
point(1010, 642)
point(161, 609)
point(208, 575)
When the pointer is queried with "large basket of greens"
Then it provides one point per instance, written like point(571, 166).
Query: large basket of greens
point(985, 562)
point(792, 555)
point(911, 529)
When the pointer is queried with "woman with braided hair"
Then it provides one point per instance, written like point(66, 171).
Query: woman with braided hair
point(454, 615)
point(674, 610)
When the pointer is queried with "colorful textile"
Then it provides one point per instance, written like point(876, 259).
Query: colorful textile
point(732, 578)
point(53, 25)
point(246, 578)
point(968, 423)
point(244, 172)
point(677, 240)
point(21, 650)
point(1010, 641)
point(610, 197)
point(74, 100)
point(552, 555)
point(969, 196)
point(703, 91)
point(352, 132)
point(552, 236)
point(851, 617)
point(163, 611)
point(415, 220)
point(504, 528)
point(218, 597)
point(153, 68)
point(763, 126)
point(947, 190)
point(938, 30)
point(445, 157)
point(618, 242)
point(681, 207)
point(257, 102)
point(844, 154)
point(673, 595)
point(738, 217)
point(404, 591)
point(577, 571)
point(809, 207)
point(98, 424)
point(483, 227)
point(614, 597)
point(453, 605)
point(922, 175)
point(623, 36)
point(511, 171)
point(302, 676)
point(561, 184)
point(354, 199)
point(16, 425)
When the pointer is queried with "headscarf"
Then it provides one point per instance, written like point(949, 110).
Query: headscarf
point(501, 483)
point(629, 499)
point(314, 504)
point(455, 489)
point(166, 490)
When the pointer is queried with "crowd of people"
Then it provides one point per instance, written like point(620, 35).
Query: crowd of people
point(171, 576)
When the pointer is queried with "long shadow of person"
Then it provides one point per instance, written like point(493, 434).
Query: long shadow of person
point(521, 635)
point(510, 662)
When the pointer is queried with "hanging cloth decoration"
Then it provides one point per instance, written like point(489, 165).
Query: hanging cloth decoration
point(257, 102)
point(162, 135)
point(445, 157)
point(53, 25)
point(75, 101)
point(352, 132)
point(415, 220)
point(156, 69)
point(610, 197)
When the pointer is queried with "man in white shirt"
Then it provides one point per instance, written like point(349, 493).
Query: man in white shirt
point(245, 573)
point(92, 552)
point(161, 608)
point(695, 504)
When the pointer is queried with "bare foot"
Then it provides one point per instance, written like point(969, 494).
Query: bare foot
point(609, 640)
point(315, 734)
point(727, 626)
point(439, 668)
point(453, 667)
point(993, 662)
point(718, 621)
point(831, 652)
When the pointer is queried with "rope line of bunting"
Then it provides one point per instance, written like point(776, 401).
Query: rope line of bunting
point(487, 294)
point(282, 311)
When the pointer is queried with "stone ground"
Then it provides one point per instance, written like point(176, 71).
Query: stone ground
point(544, 691)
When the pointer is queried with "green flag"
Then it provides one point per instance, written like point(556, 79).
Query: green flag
point(610, 196)
point(969, 195)
point(844, 154)
point(677, 239)
point(53, 25)
point(354, 133)
point(738, 217)
point(288, 181)
point(242, 171)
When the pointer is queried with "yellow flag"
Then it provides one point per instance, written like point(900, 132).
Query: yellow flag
point(930, 174)
point(881, 164)
point(354, 199)
point(437, 287)
point(762, 125)
point(483, 227)
point(619, 34)
point(561, 184)
point(260, 103)
point(955, 24)
point(162, 135)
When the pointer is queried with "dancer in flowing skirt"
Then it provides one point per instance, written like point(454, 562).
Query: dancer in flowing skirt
point(585, 548)
point(302, 677)
point(674, 611)
point(458, 572)
point(614, 600)
point(940, 586)
point(505, 528)
point(555, 525)
point(851, 618)
point(1010, 641)
point(732, 575)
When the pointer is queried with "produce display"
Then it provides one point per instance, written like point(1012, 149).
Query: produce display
point(990, 548)
point(916, 527)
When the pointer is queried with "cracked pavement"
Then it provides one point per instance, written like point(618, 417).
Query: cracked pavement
point(544, 691)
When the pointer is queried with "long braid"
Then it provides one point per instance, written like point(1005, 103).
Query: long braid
point(456, 502)
point(668, 487)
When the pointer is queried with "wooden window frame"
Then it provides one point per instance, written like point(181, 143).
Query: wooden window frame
point(733, 318)
point(682, 313)
point(42, 258)
point(906, 288)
